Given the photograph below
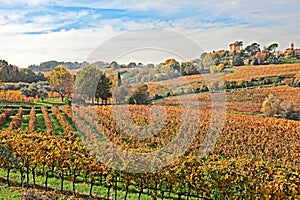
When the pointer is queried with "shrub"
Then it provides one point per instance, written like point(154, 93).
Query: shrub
point(288, 111)
point(272, 107)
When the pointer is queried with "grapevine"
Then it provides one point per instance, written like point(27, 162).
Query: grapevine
point(32, 120)
point(48, 122)
point(17, 120)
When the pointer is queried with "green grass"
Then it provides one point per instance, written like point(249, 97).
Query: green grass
point(100, 137)
point(56, 126)
point(82, 188)
point(70, 122)
point(25, 122)
point(54, 101)
point(40, 123)
point(44, 104)
point(17, 104)
point(48, 102)
point(232, 70)
point(9, 193)
point(41, 127)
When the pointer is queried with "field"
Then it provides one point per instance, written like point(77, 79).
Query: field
point(253, 156)
point(248, 72)
point(178, 147)
point(240, 101)
point(188, 84)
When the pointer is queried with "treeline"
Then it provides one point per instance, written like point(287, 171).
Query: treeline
point(35, 90)
point(50, 65)
point(11, 73)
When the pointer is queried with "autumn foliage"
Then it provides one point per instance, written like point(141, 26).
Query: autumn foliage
point(14, 96)
point(253, 157)
point(4, 116)
point(17, 120)
point(62, 121)
point(48, 122)
point(263, 162)
point(32, 120)
point(68, 111)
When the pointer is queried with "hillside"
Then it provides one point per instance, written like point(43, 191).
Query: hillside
point(239, 101)
point(251, 74)
point(12, 73)
point(246, 148)
point(248, 72)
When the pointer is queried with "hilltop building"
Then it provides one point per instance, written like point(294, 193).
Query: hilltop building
point(233, 47)
point(292, 51)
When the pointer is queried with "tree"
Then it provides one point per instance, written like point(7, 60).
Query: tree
point(296, 81)
point(121, 92)
point(237, 60)
point(42, 89)
point(140, 95)
point(216, 58)
point(238, 44)
point(61, 81)
point(272, 47)
point(86, 82)
point(22, 85)
point(132, 65)
point(25, 92)
point(103, 89)
point(203, 55)
point(119, 79)
point(188, 68)
point(5, 87)
point(114, 65)
point(271, 57)
point(288, 111)
point(240, 83)
point(213, 69)
point(252, 49)
point(12, 73)
point(271, 106)
point(9, 86)
point(206, 61)
point(36, 90)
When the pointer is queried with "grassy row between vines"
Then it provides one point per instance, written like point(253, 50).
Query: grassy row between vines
point(15, 191)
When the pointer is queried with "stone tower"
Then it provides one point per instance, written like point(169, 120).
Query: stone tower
point(292, 46)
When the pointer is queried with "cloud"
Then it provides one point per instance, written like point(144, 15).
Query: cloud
point(72, 45)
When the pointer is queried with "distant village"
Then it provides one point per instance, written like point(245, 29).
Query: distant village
point(237, 55)
point(253, 54)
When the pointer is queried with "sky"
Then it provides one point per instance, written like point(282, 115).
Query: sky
point(36, 31)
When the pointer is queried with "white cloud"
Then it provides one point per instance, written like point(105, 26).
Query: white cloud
point(72, 45)
point(72, 34)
